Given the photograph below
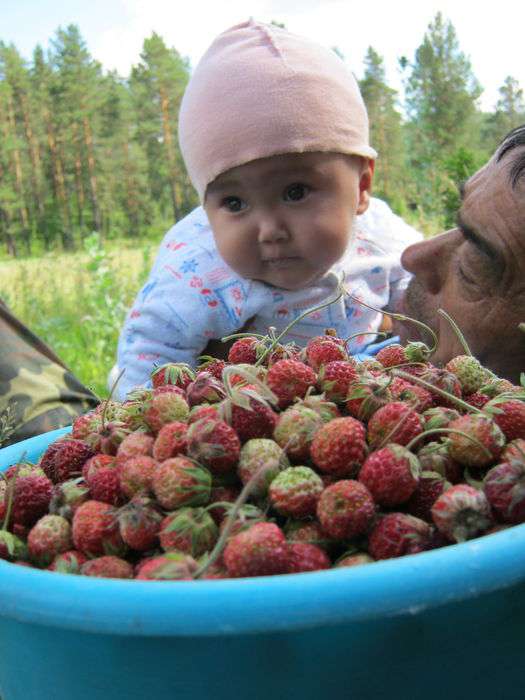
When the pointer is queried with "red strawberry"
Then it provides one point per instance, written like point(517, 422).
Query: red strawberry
point(345, 509)
point(203, 411)
point(326, 410)
point(95, 530)
point(390, 474)
point(170, 441)
point(135, 476)
point(107, 567)
point(68, 562)
point(354, 559)
point(188, 530)
point(477, 399)
point(290, 379)
point(178, 373)
point(339, 446)
point(430, 486)
point(67, 497)
point(394, 422)
point(179, 481)
point(439, 417)
point(139, 524)
point(461, 512)
point(212, 365)
point(31, 497)
point(504, 487)
point(309, 531)
point(64, 459)
point(417, 397)
point(295, 491)
point(173, 566)
point(295, 430)
point(392, 355)
point(367, 395)
point(214, 444)
point(86, 424)
point(256, 420)
point(264, 458)
point(165, 408)
point(435, 457)
point(478, 441)
point(514, 450)
point(221, 495)
point(205, 389)
point(104, 486)
point(306, 557)
point(134, 445)
point(509, 415)
point(323, 349)
point(335, 379)
point(445, 381)
point(261, 550)
point(50, 536)
point(244, 351)
point(397, 534)
point(98, 461)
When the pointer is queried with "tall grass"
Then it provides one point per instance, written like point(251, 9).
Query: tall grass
point(77, 302)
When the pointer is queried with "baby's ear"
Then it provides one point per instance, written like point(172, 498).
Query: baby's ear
point(365, 184)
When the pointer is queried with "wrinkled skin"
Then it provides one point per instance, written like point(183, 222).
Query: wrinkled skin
point(476, 273)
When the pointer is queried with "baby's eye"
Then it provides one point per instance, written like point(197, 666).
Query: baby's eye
point(295, 192)
point(233, 204)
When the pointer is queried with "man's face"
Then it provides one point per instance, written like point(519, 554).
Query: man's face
point(285, 220)
point(476, 273)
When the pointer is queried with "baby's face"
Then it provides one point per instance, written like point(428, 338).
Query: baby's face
point(287, 219)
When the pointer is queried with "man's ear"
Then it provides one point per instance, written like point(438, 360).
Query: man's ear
point(365, 185)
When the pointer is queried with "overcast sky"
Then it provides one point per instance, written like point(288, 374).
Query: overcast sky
point(490, 34)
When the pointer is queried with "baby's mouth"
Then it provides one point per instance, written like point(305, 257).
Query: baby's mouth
point(282, 262)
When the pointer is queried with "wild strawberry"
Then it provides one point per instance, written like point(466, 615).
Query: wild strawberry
point(515, 449)
point(220, 495)
point(289, 351)
point(31, 497)
point(430, 486)
point(509, 415)
point(134, 445)
point(394, 422)
point(95, 530)
point(323, 349)
point(139, 524)
point(435, 457)
point(295, 430)
point(246, 516)
point(203, 411)
point(439, 417)
point(12, 548)
point(461, 512)
point(212, 365)
point(252, 418)
point(108, 439)
point(478, 442)
point(107, 566)
point(290, 379)
point(477, 399)
point(242, 373)
point(173, 566)
point(264, 458)
point(326, 410)
point(261, 550)
point(504, 487)
point(243, 351)
point(468, 370)
point(309, 531)
point(345, 509)
point(397, 534)
point(339, 446)
point(214, 444)
point(306, 557)
point(21, 469)
point(86, 424)
point(370, 367)
point(170, 441)
point(295, 491)
point(67, 497)
point(391, 474)
point(50, 536)
point(104, 486)
point(367, 395)
point(135, 476)
point(205, 388)
point(392, 355)
point(444, 381)
point(68, 562)
point(354, 559)
point(98, 461)
point(188, 530)
point(417, 397)
point(179, 481)
point(178, 373)
point(496, 386)
point(335, 378)
point(165, 408)
point(64, 459)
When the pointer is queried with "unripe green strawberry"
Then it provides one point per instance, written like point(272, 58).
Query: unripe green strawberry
point(50, 536)
point(12, 547)
point(295, 492)
point(295, 429)
point(262, 550)
point(345, 509)
point(481, 444)
point(188, 530)
point(179, 481)
point(264, 458)
point(68, 562)
point(469, 371)
point(461, 513)
point(391, 474)
point(107, 567)
point(173, 566)
point(354, 559)
point(397, 534)
point(339, 447)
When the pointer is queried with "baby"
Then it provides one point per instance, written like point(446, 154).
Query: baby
point(274, 135)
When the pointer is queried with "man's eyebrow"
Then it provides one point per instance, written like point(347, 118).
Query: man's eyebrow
point(481, 243)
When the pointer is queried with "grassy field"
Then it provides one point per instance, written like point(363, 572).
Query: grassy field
point(77, 302)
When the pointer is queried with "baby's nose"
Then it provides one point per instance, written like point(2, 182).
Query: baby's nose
point(272, 230)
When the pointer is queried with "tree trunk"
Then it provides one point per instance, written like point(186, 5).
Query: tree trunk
point(78, 177)
point(19, 177)
point(168, 141)
point(59, 187)
point(88, 140)
point(34, 152)
point(131, 193)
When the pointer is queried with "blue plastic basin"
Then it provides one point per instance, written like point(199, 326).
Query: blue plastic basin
point(444, 624)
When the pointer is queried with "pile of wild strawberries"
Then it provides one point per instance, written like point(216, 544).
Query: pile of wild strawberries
point(278, 461)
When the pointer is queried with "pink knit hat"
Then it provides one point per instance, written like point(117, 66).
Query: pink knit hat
point(261, 91)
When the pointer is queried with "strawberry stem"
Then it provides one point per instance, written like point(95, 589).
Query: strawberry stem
point(417, 380)
point(448, 430)
point(457, 331)
point(112, 390)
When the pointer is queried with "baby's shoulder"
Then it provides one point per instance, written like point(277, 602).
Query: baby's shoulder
point(380, 228)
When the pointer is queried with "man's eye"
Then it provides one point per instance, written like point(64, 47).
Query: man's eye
point(295, 192)
point(233, 204)
point(465, 277)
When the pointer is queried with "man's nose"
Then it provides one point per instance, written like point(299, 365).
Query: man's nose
point(429, 261)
